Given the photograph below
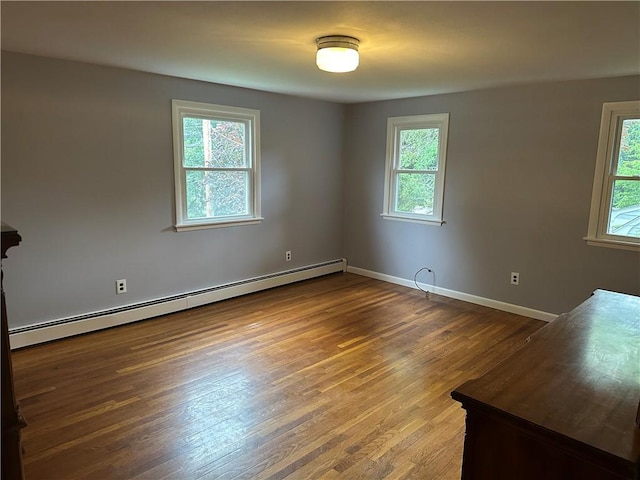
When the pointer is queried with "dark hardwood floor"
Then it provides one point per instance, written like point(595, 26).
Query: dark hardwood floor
point(337, 377)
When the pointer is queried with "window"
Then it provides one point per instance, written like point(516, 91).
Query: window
point(216, 165)
point(615, 203)
point(414, 179)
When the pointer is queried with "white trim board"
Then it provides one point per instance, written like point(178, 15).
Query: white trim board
point(466, 297)
point(66, 327)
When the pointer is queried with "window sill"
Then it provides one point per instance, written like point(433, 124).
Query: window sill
point(183, 227)
point(424, 221)
point(609, 243)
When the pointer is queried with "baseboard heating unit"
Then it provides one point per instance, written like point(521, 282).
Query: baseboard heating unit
point(66, 327)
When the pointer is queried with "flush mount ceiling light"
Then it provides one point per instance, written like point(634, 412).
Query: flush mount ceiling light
point(337, 53)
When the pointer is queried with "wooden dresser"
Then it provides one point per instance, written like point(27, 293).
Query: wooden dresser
point(12, 421)
point(565, 405)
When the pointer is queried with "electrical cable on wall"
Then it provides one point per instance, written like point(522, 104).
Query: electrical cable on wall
point(415, 279)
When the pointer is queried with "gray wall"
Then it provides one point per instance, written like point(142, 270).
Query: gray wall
point(87, 178)
point(517, 197)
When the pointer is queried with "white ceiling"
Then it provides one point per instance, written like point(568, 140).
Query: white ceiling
point(407, 48)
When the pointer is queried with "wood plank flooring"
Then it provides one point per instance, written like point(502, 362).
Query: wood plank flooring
point(340, 377)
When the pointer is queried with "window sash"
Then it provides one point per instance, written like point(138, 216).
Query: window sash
point(404, 170)
point(247, 147)
point(617, 144)
point(429, 178)
point(251, 121)
point(211, 196)
point(218, 169)
point(607, 159)
point(395, 127)
point(608, 208)
point(400, 151)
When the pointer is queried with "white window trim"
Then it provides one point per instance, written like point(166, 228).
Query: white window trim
point(182, 108)
point(394, 126)
point(597, 235)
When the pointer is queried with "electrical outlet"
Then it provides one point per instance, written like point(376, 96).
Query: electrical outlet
point(121, 286)
point(287, 255)
point(515, 278)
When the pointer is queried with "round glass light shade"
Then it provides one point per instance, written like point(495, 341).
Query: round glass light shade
point(337, 59)
point(337, 54)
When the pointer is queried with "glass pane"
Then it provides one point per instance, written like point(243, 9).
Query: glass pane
point(415, 193)
point(624, 218)
point(217, 194)
point(629, 154)
point(419, 149)
point(214, 143)
point(193, 153)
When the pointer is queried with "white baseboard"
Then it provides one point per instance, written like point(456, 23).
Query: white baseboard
point(61, 328)
point(486, 302)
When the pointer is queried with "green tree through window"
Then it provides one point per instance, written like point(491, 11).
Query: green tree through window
point(418, 152)
point(216, 145)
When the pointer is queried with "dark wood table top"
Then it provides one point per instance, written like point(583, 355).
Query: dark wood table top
point(578, 377)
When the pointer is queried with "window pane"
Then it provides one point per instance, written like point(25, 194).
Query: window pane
point(629, 155)
point(415, 193)
point(212, 194)
point(624, 218)
point(419, 149)
point(214, 143)
point(193, 144)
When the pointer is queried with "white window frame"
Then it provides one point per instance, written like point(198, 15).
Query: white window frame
point(395, 125)
point(613, 113)
point(251, 118)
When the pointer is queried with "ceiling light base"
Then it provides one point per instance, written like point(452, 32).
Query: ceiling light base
point(337, 53)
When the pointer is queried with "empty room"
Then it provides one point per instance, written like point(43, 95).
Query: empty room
point(320, 240)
